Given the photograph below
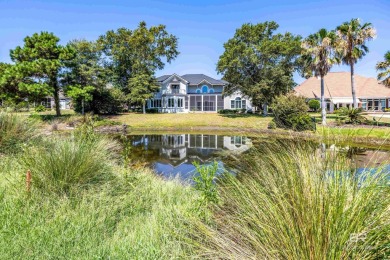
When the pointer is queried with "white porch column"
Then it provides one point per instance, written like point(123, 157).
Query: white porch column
point(202, 110)
point(201, 144)
point(216, 104)
point(216, 141)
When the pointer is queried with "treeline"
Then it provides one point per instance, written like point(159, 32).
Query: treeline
point(100, 76)
point(119, 67)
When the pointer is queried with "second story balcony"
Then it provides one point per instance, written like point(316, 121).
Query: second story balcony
point(174, 91)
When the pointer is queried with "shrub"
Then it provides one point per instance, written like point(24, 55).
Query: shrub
point(22, 107)
point(314, 104)
point(152, 110)
point(63, 164)
point(271, 125)
point(354, 115)
point(40, 108)
point(15, 130)
point(287, 202)
point(290, 112)
point(228, 111)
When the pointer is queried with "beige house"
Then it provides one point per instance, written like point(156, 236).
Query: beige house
point(371, 95)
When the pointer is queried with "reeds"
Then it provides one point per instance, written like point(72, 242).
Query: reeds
point(14, 130)
point(294, 201)
point(64, 163)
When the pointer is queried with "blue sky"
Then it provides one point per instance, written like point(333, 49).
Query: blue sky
point(201, 26)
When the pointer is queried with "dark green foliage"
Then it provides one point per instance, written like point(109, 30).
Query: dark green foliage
point(137, 52)
point(205, 183)
point(87, 77)
point(258, 62)
point(39, 108)
point(142, 87)
point(351, 46)
point(152, 110)
point(231, 111)
point(290, 112)
point(314, 104)
point(384, 68)
point(354, 115)
point(272, 125)
point(37, 66)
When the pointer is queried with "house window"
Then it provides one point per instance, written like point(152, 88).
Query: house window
point(205, 89)
point(211, 91)
point(180, 102)
point(364, 104)
point(155, 103)
point(171, 102)
point(383, 104)
point(198, 91)
point(238, 103)
point(175, 89)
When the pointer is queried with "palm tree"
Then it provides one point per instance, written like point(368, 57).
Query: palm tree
point(384, 67)
point(351, 39)
point(318, 52)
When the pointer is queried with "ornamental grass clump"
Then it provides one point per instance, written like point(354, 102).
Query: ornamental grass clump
point(63, 164)
point(299, 202)
point(15, 130)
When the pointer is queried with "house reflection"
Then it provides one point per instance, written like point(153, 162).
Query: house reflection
point(173, 155)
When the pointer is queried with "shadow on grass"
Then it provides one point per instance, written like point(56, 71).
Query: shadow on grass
point(243, 115)
point(48, 118)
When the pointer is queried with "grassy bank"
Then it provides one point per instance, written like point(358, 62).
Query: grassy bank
point(83, 203)
point(288, 200)
point(246, 124)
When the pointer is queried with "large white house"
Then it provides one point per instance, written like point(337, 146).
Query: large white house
point(194, 92)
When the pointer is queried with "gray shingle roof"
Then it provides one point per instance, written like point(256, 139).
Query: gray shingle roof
point(195, 79)
point(162, 78)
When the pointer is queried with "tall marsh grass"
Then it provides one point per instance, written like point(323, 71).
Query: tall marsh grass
point(65, 163)
point(298, 202)
point(15, 130)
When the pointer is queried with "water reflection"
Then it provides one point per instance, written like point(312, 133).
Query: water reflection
point(173, 155)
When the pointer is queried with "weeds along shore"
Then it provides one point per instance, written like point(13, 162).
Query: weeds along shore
point(287, 200)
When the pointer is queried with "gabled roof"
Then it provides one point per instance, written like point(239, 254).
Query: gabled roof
point(162, 78)
point(196, 79)
point(338, 84)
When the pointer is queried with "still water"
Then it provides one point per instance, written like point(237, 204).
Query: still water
point(173, 155)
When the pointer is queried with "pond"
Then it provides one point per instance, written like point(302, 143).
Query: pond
point(174, 155)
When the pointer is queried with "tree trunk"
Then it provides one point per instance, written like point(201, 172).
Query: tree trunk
point(323, 104)
point(143, 108)
point(82, 106)
point(265, 109)
point(355, 104)
point(56, 96)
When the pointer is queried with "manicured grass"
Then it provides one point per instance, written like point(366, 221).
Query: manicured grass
point(193, 120)
point(368, 132)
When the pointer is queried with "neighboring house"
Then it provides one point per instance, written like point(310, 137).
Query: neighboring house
point(371, 94)
point(65, 102)
point(194, 92)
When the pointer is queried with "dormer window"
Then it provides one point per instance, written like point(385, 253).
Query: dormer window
point(205, 89)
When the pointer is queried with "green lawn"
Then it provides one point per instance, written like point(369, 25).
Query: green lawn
point(192, 120)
